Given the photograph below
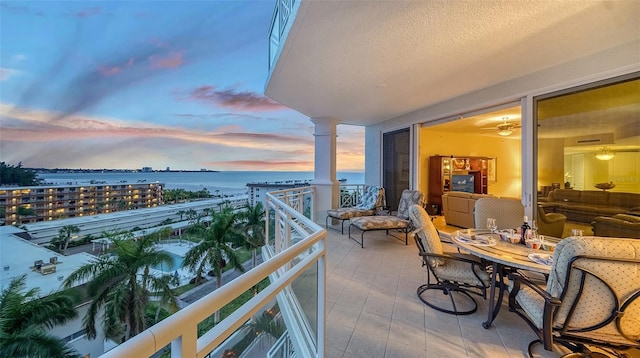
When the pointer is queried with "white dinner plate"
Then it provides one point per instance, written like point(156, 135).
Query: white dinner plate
point(477, 240)
point(542, 259)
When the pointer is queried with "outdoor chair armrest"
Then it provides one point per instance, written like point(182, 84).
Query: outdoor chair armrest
point(455, 256)
point(550, 305)
point(518, 279)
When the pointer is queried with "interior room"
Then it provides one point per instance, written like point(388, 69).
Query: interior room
point(588, 141)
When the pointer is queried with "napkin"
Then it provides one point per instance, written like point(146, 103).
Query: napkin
point(482, 239)
point(474, 239)
point(466, 237)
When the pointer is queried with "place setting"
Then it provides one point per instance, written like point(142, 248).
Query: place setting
point(475, 238)
point(538, 242)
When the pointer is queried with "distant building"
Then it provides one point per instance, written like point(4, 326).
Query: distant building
point(63, 201)
point(258, 190)
point(147, 169)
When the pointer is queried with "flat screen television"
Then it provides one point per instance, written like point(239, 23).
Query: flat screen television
point(462, 183)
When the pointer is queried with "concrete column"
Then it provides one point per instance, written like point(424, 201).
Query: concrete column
point(327, 187)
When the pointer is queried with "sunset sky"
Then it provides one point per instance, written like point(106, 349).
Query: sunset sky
point(148, 83)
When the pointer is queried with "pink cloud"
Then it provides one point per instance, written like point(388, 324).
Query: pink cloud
point(172, 60)
point(291, 165)
point(245, 100)
point(109, 71)
point(42, 126)
point(114, 70)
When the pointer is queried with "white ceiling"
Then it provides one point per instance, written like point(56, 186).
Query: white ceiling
point(367, 61)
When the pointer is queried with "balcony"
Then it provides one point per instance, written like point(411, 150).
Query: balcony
point(369, 301)
point(283, 12)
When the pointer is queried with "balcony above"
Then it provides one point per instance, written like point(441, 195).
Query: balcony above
point(395, 57)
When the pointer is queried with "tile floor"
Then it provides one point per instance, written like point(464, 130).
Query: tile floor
point(373, 310)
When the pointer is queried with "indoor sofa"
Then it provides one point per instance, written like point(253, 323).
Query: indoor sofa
point(586, 205)
point(620, 225)
point(457, 207)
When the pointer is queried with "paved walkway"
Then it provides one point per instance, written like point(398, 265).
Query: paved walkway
point(210, 286)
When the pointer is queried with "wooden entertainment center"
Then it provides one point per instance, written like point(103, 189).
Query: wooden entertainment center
point(456, 173)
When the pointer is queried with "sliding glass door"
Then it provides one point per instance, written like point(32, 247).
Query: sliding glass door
point(395, 164)
point(587, 145)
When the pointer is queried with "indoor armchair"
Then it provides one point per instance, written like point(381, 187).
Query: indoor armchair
point(550, 224)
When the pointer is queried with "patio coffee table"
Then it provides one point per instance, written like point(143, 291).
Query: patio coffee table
point(504, 257)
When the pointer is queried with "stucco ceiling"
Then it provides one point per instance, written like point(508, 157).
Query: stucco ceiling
point(367, 61)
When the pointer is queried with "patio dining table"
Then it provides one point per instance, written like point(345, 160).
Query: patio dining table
point(504, 257)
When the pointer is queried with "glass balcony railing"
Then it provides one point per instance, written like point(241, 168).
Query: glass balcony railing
point(292, 303)
point(279, 21)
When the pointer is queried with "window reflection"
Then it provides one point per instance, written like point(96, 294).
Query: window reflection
point(588, 151)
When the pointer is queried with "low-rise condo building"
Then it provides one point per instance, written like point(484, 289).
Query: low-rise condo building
point(68, 201)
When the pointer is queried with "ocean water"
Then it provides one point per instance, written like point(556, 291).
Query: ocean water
point(226, 182)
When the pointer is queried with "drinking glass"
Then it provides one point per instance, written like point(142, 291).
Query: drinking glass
point(577, 232)
point(492, 225)
point(531, 234)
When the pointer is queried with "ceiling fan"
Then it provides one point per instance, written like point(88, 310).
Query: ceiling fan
point(505, 128)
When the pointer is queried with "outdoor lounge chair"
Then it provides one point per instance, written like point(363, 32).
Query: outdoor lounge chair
point(370, 203)
point(389, 222)
point(592, 297)
point(456, 275)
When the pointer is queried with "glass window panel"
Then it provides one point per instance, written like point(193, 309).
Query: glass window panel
point(588, 152)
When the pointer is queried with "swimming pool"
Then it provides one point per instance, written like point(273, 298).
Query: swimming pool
point(170, 268)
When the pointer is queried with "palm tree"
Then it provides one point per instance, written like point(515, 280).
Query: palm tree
point(166, 295)
point(253, 226)
point(213, 251)
point(164, 232)
point(268, 324)
point(181, 213)
point(192, 216)
point(64, 236)
point(25, 319)
point(23, 211)
point(121, 285)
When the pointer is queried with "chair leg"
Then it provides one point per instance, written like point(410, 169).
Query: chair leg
point(530, 346)
point(327, 226)
point(361, 237)
point(447, 290)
